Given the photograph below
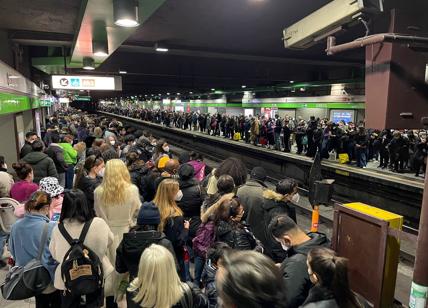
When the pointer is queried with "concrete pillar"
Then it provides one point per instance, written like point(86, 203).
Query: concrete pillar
point(395, 76)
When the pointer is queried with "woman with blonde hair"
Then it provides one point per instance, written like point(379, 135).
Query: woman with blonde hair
point(158, 284)
point(117, 201)
point(172, 221)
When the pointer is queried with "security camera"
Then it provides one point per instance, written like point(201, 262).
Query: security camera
point(327, 21)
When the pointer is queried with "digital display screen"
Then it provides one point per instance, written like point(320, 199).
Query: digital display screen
point(346, 116)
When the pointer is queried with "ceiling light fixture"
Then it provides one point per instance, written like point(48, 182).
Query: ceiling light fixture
point(126, 13)
point(291, 81)
point(243, 86)
point(99, 39)
point(212, 89)
point(123, 72)
point(88, 63)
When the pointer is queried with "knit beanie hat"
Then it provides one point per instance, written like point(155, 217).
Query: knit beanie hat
point(148, 215)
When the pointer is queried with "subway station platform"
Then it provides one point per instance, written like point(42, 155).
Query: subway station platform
point(397, 193)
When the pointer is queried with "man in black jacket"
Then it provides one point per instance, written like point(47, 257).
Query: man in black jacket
point(294, 268)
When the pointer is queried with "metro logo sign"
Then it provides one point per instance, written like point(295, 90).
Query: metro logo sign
point(65, 82)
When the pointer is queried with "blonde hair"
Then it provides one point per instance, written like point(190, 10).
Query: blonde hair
point(157, 284)
point(115, 182)
point(98, 132)
point(165, 201)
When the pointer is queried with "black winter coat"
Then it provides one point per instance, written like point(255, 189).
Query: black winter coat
point(190, 204)
point(88, 186)
point(320, 297)
point(177, 234)
point(55, 152)
point(129, 251)
point(42, 164)
point(26, 148)
point(237, 236)
point(198, 298)
point(295, 270)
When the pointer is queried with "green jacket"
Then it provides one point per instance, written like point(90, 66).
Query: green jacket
point(70, 154)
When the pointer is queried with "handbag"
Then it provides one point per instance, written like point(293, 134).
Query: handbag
point(23, 282)
point(7, 213)
point(343, 158)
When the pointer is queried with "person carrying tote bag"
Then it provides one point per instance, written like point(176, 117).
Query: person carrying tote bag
point(28, 251)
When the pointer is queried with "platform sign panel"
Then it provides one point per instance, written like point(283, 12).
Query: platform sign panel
point(66, 82)
point(342, 115)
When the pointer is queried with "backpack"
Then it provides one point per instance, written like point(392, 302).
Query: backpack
point(204, 238)
point(81, 269)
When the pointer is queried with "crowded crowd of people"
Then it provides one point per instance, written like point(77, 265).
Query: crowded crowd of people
point(114, 217)
point(398, 150)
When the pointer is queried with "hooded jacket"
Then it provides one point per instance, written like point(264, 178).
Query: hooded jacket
point(56, 152)
point(295, 270)
point(129, 251)
point(42, 164)
point(273, 204)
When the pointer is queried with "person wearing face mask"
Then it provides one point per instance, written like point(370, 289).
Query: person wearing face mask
point(89, 177)
point(70, 158)
point(297, 245)
point(161, 149)
point(172, 222)
point(231, 230)
point(278, 202)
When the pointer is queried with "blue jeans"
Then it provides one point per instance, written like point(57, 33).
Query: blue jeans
point(69, 175)
point(278, 141)
point(361, 157)
point(199, 267)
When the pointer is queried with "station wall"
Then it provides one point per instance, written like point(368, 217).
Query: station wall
point(8, 138)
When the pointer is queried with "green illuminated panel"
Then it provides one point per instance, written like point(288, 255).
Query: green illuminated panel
point(308, 105)
point(10, 103)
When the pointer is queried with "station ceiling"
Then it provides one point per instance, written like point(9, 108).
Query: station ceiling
point(213, 44)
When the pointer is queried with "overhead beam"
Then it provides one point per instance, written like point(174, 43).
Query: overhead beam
point(240, 57)
point(102, 10)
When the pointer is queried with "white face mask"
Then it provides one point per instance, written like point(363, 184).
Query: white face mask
point(101, 172)
point(112, 142)
point(179, 196)
point(284, 247)
point(295, 198)
point(166, 149)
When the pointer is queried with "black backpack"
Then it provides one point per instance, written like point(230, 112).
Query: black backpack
point(81, 269)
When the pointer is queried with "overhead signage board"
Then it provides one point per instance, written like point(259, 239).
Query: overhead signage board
point(67, 82)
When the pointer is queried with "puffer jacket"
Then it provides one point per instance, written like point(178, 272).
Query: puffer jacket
point(42, 164)
point(137, 171)
point(208, 279)
point(129, 251)
point(190, 204)
point(237, 236)
point(193, 197)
